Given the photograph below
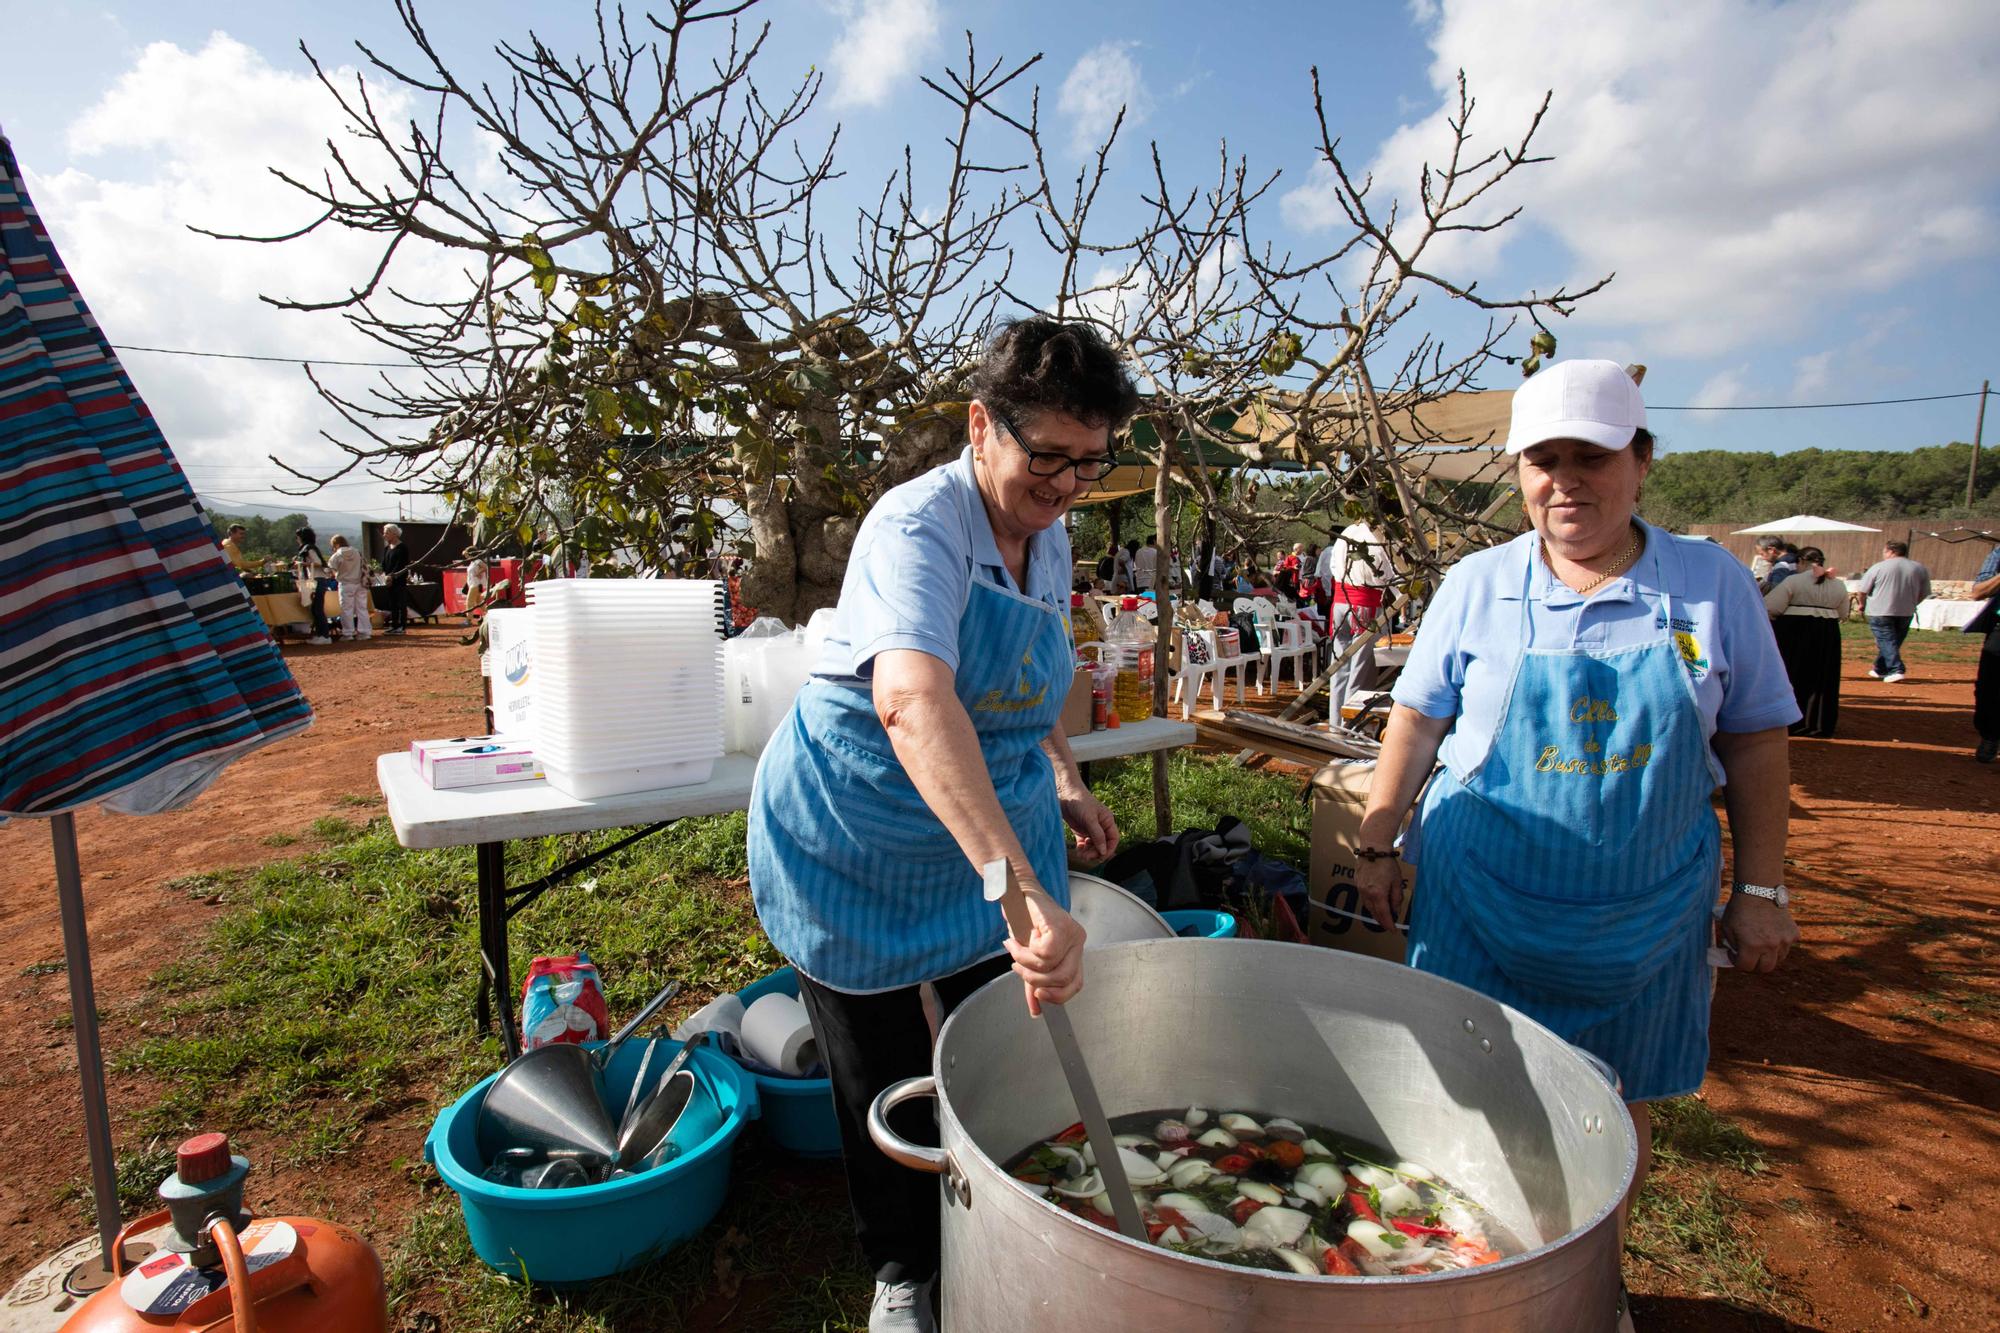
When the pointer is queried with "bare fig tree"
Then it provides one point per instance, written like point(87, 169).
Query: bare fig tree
point(662, 331)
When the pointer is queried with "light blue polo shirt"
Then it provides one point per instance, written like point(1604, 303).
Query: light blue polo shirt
point(911, 571)
point(1470, 640)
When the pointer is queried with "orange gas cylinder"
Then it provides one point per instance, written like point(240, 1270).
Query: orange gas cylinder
point(303, 1275)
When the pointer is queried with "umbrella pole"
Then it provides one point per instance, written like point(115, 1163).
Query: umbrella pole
point(83, 1013)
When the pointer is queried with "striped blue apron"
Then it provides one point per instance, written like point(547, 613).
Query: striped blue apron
point(1572, 873)
point(855, 880)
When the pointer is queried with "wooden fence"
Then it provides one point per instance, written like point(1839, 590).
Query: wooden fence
point(1849, 553)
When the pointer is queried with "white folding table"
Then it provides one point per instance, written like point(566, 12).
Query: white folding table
point(485, 818)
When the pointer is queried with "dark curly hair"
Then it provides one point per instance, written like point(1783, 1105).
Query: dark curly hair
point(1040, 364)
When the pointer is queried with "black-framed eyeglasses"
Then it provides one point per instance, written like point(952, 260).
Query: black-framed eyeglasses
point(1046, 464)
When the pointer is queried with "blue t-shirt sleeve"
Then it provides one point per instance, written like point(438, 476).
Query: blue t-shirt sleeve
point(1435, 673)
point(1989, 567)
point(1756, 693)
point(907, 587)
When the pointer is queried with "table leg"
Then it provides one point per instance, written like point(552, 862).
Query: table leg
point(496, 981)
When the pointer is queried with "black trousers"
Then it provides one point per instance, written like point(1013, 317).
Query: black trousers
point(869, 1042)
point(1986, 688)
point(397, 595)
point(1810, 646)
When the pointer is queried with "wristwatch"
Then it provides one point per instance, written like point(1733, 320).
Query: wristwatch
point(1774, 893)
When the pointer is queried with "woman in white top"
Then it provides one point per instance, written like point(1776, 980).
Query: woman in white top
point(1806, 610)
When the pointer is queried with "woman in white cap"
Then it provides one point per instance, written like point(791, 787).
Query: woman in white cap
point(1586, 687)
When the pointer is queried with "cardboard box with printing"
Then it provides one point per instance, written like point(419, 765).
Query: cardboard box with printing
point(1338, 919)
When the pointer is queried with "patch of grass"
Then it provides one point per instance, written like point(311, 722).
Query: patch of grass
point(1685, 1221)
point(1204, 789)
point(279, 840)
point(359, 802)
point(1686, 1130)
point(1686, 1225)
point(140, 1171)
point(330, 828)
point(48, 969)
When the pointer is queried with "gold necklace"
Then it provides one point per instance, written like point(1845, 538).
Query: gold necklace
point(1617, 566)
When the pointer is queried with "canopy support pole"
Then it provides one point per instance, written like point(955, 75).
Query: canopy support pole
point(83, 1014)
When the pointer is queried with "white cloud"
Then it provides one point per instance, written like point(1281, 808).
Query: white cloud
point(186, 138)
point(1742, 166)
point(1811, 375)
point(1105, 81)
point(1725, 388)
point(879, 47)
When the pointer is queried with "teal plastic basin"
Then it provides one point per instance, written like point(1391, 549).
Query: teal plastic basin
point(566, 1238)
point(797, 1113)
point(1202, 922)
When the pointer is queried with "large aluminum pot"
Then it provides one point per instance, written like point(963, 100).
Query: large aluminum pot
point(1436, 1072)
point(1109, 914)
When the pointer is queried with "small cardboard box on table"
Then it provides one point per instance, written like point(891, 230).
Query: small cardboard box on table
point(1076, 705)
point(1338, 919)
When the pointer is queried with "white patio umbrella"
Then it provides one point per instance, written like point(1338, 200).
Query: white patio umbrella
point(1803, 523)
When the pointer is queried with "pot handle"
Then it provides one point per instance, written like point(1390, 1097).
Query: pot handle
point(893, 1145)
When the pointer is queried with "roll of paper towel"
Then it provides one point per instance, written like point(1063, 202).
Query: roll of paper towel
point(777, 1032)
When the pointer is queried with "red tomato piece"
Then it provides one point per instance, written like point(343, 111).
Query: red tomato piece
point(1288, 1155)
point(1074, 1134)
point(1336, 1264)
point(1409, 1228)
point(1359, 1203)
point(1232, 1164)
point(1240, 1210)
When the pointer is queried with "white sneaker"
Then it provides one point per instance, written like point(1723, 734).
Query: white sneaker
point(901, 1307)
point(1873, 674)
point(319, 638)
point(1892, 678)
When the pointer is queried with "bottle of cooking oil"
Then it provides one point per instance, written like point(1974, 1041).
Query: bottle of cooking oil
point(1082, 624)
point(1131, 640)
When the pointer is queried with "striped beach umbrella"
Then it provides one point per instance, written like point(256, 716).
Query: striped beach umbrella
point(133, 666)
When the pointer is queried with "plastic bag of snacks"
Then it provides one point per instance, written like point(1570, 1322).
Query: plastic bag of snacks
point(562, 1000)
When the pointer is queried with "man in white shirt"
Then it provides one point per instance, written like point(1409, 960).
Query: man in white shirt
point(1353, 589)
point(1146, 565)
point(1893, 586)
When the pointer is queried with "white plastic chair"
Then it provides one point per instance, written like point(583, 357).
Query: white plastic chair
point(1278, 642)
point(1202, 660)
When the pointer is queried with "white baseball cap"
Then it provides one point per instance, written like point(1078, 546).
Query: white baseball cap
point(1594, 401)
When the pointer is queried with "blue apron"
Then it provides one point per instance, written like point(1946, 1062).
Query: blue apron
point(1572, 873)
point(855, 880)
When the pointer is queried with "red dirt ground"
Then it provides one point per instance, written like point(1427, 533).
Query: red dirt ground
point(1866, 1069)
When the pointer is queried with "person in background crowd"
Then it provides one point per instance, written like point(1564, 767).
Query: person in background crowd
point(1783, 565)
point(1892, 586)
point(1806, 610)
point(1352, 578)
point(1587, 687)
point(1768, 550)
point(1174, 572)
point(345, 564)
point(396, 564)
point(1286, 577)
point(309, 562)
point(1204, 570)
point(1986, 685)
point(1107, 567)
point(1126, 576)
point(232, 550)
point(1146, 564)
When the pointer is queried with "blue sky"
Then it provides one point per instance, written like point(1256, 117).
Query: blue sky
point(1799, 199)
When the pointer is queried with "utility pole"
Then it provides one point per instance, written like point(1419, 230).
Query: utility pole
point(1978, 429)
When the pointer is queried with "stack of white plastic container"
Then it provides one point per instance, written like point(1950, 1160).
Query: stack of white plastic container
point(628, 682)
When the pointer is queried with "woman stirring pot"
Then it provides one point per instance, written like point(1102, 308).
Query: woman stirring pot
point(927, 743)
point(1586, 688)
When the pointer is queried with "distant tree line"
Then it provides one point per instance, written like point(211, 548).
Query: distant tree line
point(1718, 486)
point(265, 538)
